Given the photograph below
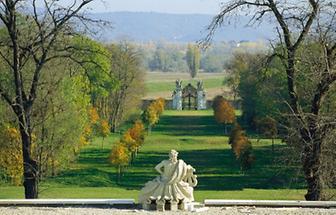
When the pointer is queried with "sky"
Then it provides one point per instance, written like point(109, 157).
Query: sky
point(162, 6)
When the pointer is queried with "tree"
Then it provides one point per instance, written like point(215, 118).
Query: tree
point(126, 68)
point(150, 117)
point(33, 39)
point(193, 59)
point(11, 154)
point(224, 112)
point(237, 64)
point(119, 157)
point(60, 115)
point(93, 61)
point(312, 21)
point(159, 105)
point(130, 143)
point(236, 132)
point(137, 132)
point(241, 147)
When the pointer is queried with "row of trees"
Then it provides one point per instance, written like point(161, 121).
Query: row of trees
point(224, 113)
point(300, 81)
point(167, 60)
point(125, 150)
point(57, 88)
point(172, 57)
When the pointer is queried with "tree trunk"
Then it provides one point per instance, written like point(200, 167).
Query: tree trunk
point(119, 174)
point(311, 163)
point(312, 178)
point(30, 166)
point(225, 129)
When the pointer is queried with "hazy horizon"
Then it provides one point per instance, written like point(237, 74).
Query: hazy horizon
point(209, 7)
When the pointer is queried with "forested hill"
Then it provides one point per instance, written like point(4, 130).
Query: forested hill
point(150, 26)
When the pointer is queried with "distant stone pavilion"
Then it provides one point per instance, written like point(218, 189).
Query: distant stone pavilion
point(189, 97)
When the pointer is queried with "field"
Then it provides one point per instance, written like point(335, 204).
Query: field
point(159, 84)
point(200, 142)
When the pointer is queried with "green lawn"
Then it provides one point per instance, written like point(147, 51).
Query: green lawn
point(201, 143)
point(154, 87)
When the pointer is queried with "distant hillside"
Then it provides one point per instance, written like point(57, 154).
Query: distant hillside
point(149, 26)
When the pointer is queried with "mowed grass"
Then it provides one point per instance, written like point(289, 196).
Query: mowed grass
point(153, 87)
point(200, 142)
point(158, 84)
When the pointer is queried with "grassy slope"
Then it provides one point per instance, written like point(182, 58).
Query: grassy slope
point(200, 143)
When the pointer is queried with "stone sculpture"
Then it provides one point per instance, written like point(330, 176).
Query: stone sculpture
point(201, 96)
point(177, 96)
point(174, 186)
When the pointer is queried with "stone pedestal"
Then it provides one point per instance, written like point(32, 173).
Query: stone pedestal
point(173, 205)
point(160, 205)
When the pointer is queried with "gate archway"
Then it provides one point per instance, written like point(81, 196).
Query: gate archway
point(189, 98)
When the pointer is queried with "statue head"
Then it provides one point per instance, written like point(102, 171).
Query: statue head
point(178, 84)
point(200, 85)
point(173, 155)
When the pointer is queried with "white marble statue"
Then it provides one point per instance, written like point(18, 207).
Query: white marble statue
point(177, 96)
point(201, 96)
point(174, 185)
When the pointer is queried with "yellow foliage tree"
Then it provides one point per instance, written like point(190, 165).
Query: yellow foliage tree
point(94, 116)
point(159, 105)
point(134, 137)
point(152, 113)
point(97, 126)
point(150, 116)
point(11, 154)
point(119, 157)
point(137, 132)
point(129, 142)
point(224, 113)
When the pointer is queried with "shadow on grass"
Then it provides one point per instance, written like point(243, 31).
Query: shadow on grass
point(189, 126)
point(217, 169)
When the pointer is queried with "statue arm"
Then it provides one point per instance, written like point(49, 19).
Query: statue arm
point(159, 167)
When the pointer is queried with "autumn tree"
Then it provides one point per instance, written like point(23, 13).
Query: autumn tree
point(159, 105)
point(224, 113)
point(299, 24)
point(28, 43)
point(151, 115)
point(119, 157)
point(193, 58)
point(11, 154)
point(241, 147)
point(130, 143)
point(137, 132)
